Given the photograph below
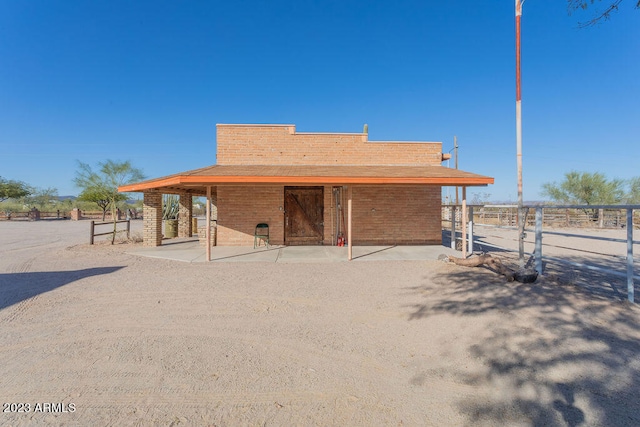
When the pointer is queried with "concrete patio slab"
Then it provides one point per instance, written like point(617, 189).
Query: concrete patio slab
point(190, 250)
point(401, 253)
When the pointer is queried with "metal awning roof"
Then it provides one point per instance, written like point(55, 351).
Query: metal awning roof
point(197, 180)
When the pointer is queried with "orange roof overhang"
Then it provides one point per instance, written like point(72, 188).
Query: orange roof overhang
point(197, 180)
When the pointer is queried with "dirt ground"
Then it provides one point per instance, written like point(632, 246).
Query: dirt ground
point(115, 339)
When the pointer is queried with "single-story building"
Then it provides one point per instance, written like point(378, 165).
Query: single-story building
point(311, 189)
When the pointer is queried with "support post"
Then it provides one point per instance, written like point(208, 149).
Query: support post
point(464, 222)
point(470, 230)
point(128, 229)
point(208, 224)
point(185, 212)
point(453, 227)
point(630, 285)
point(455, 151)
point(152, 219)
point(519, 137)
point(91, 232)
point(350, 219)
point(538, 249)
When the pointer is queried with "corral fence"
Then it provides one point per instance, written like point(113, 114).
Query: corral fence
point(575, 216)
point(93, 234)
point(541, 218)
point(55, 215)
point(34, 215)
point(120, 214)
point(16, 216)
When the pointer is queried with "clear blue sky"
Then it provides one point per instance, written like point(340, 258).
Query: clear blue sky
point(97, 80)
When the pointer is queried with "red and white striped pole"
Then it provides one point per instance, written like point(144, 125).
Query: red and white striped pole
point(519, 137)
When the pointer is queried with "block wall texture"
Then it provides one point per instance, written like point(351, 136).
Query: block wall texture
point(281, 145)
point(240, 209)
point(214, 206)
point(202, 235)
point(152, 219)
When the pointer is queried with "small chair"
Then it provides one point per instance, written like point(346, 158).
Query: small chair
point(261, 233)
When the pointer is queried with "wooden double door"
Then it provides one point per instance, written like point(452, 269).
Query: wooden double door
point(304, 215)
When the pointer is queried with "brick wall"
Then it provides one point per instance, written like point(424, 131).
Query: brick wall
point(396, 215)
point(152, 214)
point(281, 145)
point(185, 227)
point(241, 208)
point(382, 215)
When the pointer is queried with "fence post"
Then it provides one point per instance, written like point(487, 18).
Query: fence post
point(128, 229)
point(453, 227)
point(538, 248)
point(92, 228)
point(630, 289)
point(471, 230)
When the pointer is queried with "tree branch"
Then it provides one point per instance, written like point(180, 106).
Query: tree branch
point(604, 15)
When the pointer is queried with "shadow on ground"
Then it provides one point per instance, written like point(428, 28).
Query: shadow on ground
point(17, 287)
point(563, 269)
point(560, 355)
point(478, 244)
point(599, 283)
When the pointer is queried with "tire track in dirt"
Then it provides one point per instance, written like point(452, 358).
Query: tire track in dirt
point(41, 245)
point(22, 267)
point(19, 309)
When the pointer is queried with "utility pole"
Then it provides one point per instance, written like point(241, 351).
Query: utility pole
point(519, 4)
point(455, 156)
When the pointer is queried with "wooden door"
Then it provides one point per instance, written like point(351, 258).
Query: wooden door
point(304, 215)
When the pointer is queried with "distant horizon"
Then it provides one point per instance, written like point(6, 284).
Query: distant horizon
point(444, 202)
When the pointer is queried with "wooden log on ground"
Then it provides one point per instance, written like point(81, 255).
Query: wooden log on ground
point(494, 264)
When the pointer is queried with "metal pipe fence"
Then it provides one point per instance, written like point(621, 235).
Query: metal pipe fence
point(555, 217)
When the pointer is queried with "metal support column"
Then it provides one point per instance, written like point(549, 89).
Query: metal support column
point(207, 232)
point(538, 249)
point(464, 222)
point(470, 230)
point(630, 285)
point(453, 227)
point(519, 137)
